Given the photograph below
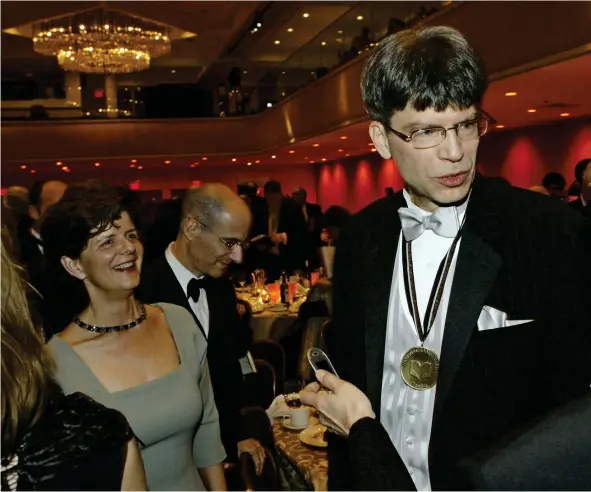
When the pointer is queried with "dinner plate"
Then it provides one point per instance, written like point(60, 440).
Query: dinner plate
point(287, 424)
point(314, 436)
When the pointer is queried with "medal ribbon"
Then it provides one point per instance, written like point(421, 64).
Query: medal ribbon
point(424, 328)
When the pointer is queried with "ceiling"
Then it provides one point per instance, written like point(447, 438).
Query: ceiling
point(223, 38)
point(553, 90)
point(215, 25)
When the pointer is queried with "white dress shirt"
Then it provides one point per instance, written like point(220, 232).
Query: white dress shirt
point(200, 308)
point(407, 414)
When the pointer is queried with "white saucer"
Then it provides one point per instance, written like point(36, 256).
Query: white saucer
point(287, 424)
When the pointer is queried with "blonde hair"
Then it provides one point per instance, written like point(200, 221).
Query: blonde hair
point(27, 368)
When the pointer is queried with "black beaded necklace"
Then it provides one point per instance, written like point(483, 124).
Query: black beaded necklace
point(109, 329)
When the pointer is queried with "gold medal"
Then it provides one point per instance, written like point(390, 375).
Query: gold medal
point(419, 368)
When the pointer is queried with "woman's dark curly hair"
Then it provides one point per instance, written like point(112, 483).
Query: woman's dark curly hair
point(81, 214)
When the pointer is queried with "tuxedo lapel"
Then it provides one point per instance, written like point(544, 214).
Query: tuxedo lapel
point(163, 286)
point(377, 286)
point(475, 274)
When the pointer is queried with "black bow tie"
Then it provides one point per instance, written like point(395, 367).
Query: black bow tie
point(194, 287)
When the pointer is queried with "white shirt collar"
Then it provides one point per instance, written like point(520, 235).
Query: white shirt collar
point(182, 274)
point(460, 211)
point(583, 201)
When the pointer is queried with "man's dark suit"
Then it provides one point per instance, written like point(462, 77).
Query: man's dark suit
point(291, 221)
point(521, 253)
point(225, 343)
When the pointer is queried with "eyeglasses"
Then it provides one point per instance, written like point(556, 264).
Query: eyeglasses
point(231, 244)
point(435, 135)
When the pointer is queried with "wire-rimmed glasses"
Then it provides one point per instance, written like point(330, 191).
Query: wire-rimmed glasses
point(435, 135)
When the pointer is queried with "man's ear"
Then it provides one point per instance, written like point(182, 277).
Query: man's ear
point(378, 136)
point(73, 267)
point(191, 228)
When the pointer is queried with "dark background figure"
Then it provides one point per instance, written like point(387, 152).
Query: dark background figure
point(334, 220)
point(555, 185)
point(42, 195)
point(313, 218)
point(583, 178)
point(284, 229)
point(164, 229)
point(389, 191)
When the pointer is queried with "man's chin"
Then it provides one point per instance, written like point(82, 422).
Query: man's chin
point(219, 271)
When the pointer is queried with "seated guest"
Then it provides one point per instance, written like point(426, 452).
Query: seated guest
point(192, 274)
point(147, 361)
point(583, 177)
point(51, 441)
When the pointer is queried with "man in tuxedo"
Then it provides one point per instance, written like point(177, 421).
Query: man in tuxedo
point(461, 303)
point(583, 177)
point(214, 223)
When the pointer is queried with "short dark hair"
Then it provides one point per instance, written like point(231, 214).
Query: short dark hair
point(80, 216)
point(427, 67)
point(580, 169)
point(554, 180)
point(35, 193)
point(272, 186)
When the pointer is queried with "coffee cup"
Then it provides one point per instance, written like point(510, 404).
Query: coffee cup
point(299, 417)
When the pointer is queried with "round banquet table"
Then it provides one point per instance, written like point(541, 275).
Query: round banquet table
point(271, 325)
point(301, 467)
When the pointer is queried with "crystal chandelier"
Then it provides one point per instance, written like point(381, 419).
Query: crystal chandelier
point(101, 41)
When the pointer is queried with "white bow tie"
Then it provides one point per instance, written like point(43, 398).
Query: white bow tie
point(443, 222)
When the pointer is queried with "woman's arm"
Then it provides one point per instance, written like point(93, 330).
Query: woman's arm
point(134, 476)
point(208, 450)
point(213, 477)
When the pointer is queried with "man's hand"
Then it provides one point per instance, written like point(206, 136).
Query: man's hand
point(256, 451)
point(341, 408)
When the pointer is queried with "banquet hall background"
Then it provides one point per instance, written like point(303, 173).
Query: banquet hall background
point(264, 97)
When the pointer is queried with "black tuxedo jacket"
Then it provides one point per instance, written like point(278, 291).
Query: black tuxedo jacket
point(521, 253)
point(225, 343)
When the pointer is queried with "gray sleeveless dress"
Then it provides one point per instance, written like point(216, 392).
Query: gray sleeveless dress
point(174, 416)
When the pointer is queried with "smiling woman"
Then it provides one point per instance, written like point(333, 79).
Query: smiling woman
point(132, 357)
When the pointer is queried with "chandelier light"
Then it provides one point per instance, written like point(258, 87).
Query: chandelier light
point(101, 41)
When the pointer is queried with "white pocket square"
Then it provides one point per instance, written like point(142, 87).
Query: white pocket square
point(491, 319)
